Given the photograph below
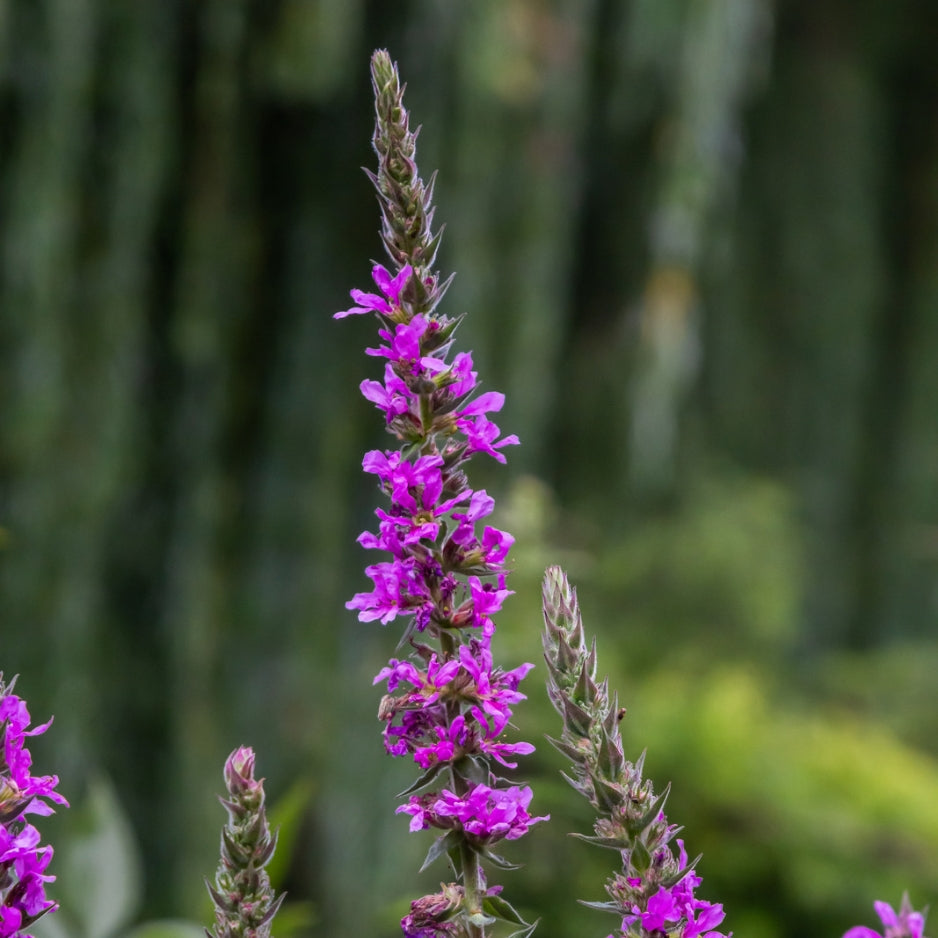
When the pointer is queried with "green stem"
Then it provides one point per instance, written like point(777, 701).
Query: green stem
point(472, 888)
point(447, 645)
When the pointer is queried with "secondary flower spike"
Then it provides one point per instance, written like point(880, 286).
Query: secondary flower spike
point(23, 860)
point(245, 903)
point(654, 893)
point(441, 568)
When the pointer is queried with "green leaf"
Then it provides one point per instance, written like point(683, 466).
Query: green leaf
point(524, 932)
point(442, 845)
point(499, 861)
point(503, 909)
point(286, 817)
point(424, 779)
point(607, 906)
point(166, 928)
point(98, 864)
point(56, 924)
point(614, 843)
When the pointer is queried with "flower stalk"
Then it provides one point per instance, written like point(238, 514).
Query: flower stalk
point(448, 705)
point(245, 903)
point(23, 860)
point(654, 892)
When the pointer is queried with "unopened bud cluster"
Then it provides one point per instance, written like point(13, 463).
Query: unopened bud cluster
point(244, 900)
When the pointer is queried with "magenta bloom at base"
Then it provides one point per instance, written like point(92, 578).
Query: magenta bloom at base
point(669, 907)
point(906, 923)
point(23, 859)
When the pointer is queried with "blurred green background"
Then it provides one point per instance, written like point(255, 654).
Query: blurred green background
point(698, 244)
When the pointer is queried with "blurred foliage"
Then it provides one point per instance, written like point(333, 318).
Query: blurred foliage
point(803, 802)
point(697, 243)
point(99, 872)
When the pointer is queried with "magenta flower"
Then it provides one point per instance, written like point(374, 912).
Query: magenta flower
point(427, 684)
point(484, 600)
point(432, 916)
point(485, 814)
point(390, 298)
point(398, 587)
point(420, 722)
point(460, 380)
point(393, 397)
point(23, 859)
point(482, 434)
point(907, 923)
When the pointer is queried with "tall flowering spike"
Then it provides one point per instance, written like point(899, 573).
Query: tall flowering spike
point(442, 567)
point(906, 923)
point(23, 861)
point(654, 892)
point(245, 904)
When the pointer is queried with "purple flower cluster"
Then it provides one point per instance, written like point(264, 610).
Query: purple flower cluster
point(485, 814)
point(443, 572)
point(23, 861)
point(443, 567)
point(674, 906)
point(418, 722)
point(906, 923)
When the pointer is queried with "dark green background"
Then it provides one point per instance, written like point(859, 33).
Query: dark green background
point(698, 247)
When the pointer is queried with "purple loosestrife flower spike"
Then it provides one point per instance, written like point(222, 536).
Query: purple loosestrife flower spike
point(907, 923)
point(23, 861)
point(443, 569)
point(245, 904)
point(654, 893)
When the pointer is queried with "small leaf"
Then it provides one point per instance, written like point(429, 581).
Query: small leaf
point(440, 847)
point(424, 779)
point(524, 932)
point(576, 719)
point(499, 861)
point(613, 843)
point(570, 751)
point(503, 909)
point(601, 906)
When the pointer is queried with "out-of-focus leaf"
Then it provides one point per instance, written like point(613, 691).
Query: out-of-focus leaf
point(293, 918)
point(98, 864)
point(167, 928)
point(286, 817)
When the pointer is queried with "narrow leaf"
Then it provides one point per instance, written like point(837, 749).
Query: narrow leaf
point(601, 906)
point(503, 909)
point(440, 846)
point(424, 779)
point(524, 932)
